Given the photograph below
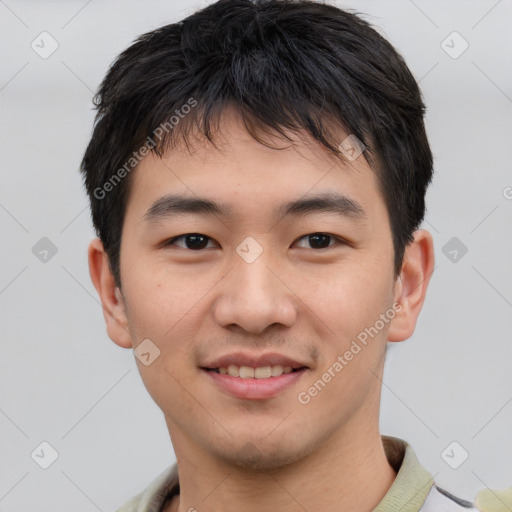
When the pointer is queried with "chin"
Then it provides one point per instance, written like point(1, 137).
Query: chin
point(261, 457)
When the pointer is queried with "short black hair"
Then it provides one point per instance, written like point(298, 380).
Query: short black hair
point(296, 65)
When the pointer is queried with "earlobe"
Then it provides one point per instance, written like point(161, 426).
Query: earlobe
point(112, 301)
point(411, 286)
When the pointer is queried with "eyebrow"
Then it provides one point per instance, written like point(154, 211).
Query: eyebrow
point(173, 204)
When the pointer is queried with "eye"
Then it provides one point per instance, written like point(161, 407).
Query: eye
point(198, 241)
point(320, 240)
point(192, 241)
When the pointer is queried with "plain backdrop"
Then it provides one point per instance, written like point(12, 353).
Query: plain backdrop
point(63, 382)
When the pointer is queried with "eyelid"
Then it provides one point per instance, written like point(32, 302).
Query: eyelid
point(171, 241)
point(338, 240)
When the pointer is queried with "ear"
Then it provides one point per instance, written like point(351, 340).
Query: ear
point(111, 297)
point(411, 285)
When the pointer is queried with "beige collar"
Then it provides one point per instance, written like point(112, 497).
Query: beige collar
point(407, 493)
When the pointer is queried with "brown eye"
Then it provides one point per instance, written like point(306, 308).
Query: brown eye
point(319, 240)
point(192, 241)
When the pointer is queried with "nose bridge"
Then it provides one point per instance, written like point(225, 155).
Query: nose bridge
point(252, 296)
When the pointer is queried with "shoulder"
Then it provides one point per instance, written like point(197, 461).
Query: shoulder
point(487, 500)
point(494, 500)
point(152, 498)
point(415, 487)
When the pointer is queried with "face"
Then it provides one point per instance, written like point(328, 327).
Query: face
point(289, 268)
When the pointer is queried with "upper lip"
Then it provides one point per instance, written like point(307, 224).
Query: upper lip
point(254, 361)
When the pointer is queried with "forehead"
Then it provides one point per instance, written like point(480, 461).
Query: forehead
point(242, 172)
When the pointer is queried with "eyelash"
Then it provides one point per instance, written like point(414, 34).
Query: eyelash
point(337, 239)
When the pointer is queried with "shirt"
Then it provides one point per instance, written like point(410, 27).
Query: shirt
point(413, 489)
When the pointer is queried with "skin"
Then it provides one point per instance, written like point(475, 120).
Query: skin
point(308, 303)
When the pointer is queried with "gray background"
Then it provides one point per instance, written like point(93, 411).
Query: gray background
point(64, 382)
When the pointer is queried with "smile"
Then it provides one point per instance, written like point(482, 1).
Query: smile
point(246, 384)
point(248, 372)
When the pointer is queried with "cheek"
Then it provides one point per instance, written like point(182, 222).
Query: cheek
point(348, 301)
point(169, 321)
point(160, 301)
point(165, 309)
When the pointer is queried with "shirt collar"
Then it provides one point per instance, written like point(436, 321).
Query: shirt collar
point(407, 493)
point(413, 482)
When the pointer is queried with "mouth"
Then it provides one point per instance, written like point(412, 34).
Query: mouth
point(253, 376)
point(249, 383)
point(260, 372)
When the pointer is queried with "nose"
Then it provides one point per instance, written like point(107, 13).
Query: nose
point(254, 296)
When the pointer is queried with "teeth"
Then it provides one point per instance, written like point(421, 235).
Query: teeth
point(246, 372)
point(277, 370)
point(233, 370)
point(264, 372)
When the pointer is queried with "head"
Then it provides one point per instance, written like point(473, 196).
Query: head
point(290, 131)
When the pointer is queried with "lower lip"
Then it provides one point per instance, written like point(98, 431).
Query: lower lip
point(254, 389)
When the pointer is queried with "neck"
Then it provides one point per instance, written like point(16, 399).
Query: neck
point(348, 472)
